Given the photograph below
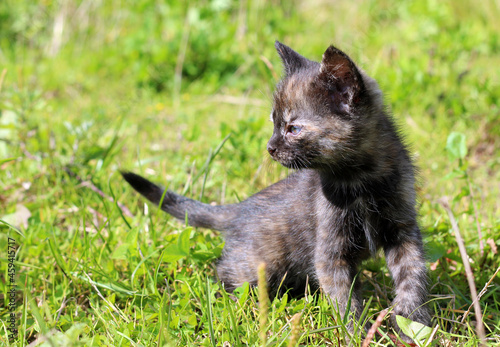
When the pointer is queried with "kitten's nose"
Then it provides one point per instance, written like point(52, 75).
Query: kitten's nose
point(271, 149)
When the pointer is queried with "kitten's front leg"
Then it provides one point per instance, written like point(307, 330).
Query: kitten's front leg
point(405, 260)
point(336, 269)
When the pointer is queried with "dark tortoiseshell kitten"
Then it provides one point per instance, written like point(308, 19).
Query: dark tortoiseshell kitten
point(353, 193)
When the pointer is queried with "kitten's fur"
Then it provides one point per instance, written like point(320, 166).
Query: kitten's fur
point(353, 192)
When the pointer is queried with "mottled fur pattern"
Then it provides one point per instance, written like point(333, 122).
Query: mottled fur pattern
point(353, 193)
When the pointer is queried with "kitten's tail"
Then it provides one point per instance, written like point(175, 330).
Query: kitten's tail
point(198, 214)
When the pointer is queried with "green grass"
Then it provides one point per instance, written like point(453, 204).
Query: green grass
point(89, 88)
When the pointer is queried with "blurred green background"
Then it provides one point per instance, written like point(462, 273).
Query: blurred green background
point(91, 87)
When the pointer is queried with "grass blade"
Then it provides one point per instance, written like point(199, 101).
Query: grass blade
point(210, 314)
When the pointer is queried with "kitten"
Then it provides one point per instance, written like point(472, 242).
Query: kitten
point(353, 193)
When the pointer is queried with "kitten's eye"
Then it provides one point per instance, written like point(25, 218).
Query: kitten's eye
point(295, 130)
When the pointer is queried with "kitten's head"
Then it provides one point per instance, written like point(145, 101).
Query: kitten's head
point(321, 110)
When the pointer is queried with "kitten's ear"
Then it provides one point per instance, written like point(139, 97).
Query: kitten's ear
point(342, 78)
point(292, 60)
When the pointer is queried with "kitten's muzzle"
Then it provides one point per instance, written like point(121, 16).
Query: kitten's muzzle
point(272, 146)
point(271, 150)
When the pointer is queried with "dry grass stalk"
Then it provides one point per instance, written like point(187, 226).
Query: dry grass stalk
point(481, 293)
point(468, 272)
point(295, 334)
point(263, 303)
point(374, 327)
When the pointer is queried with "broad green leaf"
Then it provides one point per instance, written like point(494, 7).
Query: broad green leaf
point(456, 146)
point(242, 292)
point(183, 241)
point(173, 253)
point(204, 254)
point(435, 251)
point(284, 301)
point(131, 237)
point(454, 174)
point(120, 252)
point(417, 331)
